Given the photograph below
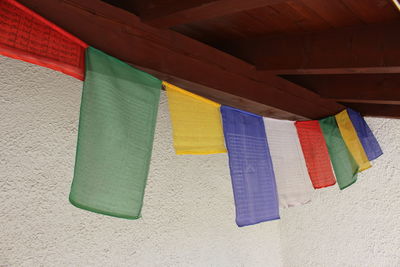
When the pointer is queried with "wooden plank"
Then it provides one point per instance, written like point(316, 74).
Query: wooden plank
point(274, 17)
point(181, 60)
point(365, 49)
point(240, 25)
point(217, 8)
point(235, 26)
point(334, 12)
point(357, 88)
point(214, 30)
point(306, 17)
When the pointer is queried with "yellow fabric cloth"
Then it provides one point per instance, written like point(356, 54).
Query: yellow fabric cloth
point(351, 140)
point(196, 122)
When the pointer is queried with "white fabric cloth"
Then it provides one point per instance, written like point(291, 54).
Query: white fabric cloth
point(292, 178)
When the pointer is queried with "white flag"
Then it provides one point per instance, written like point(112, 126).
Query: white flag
point(292, 178)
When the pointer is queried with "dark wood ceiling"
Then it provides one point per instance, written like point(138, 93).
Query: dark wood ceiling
point(344, 50)
point(267, 18)
point(281, 58)
point(289, 17)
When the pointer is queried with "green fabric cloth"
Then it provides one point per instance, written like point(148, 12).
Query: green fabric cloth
point(115, 138)
point(344, 165)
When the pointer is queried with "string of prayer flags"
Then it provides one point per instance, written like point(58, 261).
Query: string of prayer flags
point(364, 133)
point(351, 140)
point(344, 165)
point(251, 168)
point(292, 179)
point(115, 138)
point(315, 153)
point(117, 121)
point(196, 122)
point(27, 36)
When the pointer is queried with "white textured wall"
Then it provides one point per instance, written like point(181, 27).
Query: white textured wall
point(188, 213)
point(359, 226)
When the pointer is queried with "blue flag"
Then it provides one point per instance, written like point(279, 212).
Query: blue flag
point(250, 164)
point(367, 138)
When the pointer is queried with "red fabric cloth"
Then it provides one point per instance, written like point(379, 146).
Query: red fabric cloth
point(27, 36)
point(315, 153)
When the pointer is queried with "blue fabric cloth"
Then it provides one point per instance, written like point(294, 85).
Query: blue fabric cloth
point(367, 138)
point(250, 163)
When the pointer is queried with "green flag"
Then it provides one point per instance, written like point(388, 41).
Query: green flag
point(344, 165)
point(115, 138)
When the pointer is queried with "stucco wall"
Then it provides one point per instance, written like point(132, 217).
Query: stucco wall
point(359, 226)
point(188, 213)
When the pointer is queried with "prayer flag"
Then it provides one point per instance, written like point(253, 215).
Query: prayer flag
point(315, 153)
point(292, 179)
point(367, 138)
point(115, 138)
point(351, 140)
point(196, 122)
point(251, 168)
point(344, 165)
point(27, 36)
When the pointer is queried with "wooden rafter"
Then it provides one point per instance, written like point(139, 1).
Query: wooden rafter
point(356, 88)
point(181, 60)
point(376, 110)
point(365, 49)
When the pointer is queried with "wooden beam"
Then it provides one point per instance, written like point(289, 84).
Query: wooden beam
point(356, 88)
point(363, 49)
point(375, 110)
point(181, 60)
point(207, 9)
point(367, 101)
point(294, 89)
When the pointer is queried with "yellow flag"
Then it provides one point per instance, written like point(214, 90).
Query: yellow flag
point(351, 140)
point(196, 122)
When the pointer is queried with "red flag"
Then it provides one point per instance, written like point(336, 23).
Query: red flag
point(315, 153)
point(27, 36)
